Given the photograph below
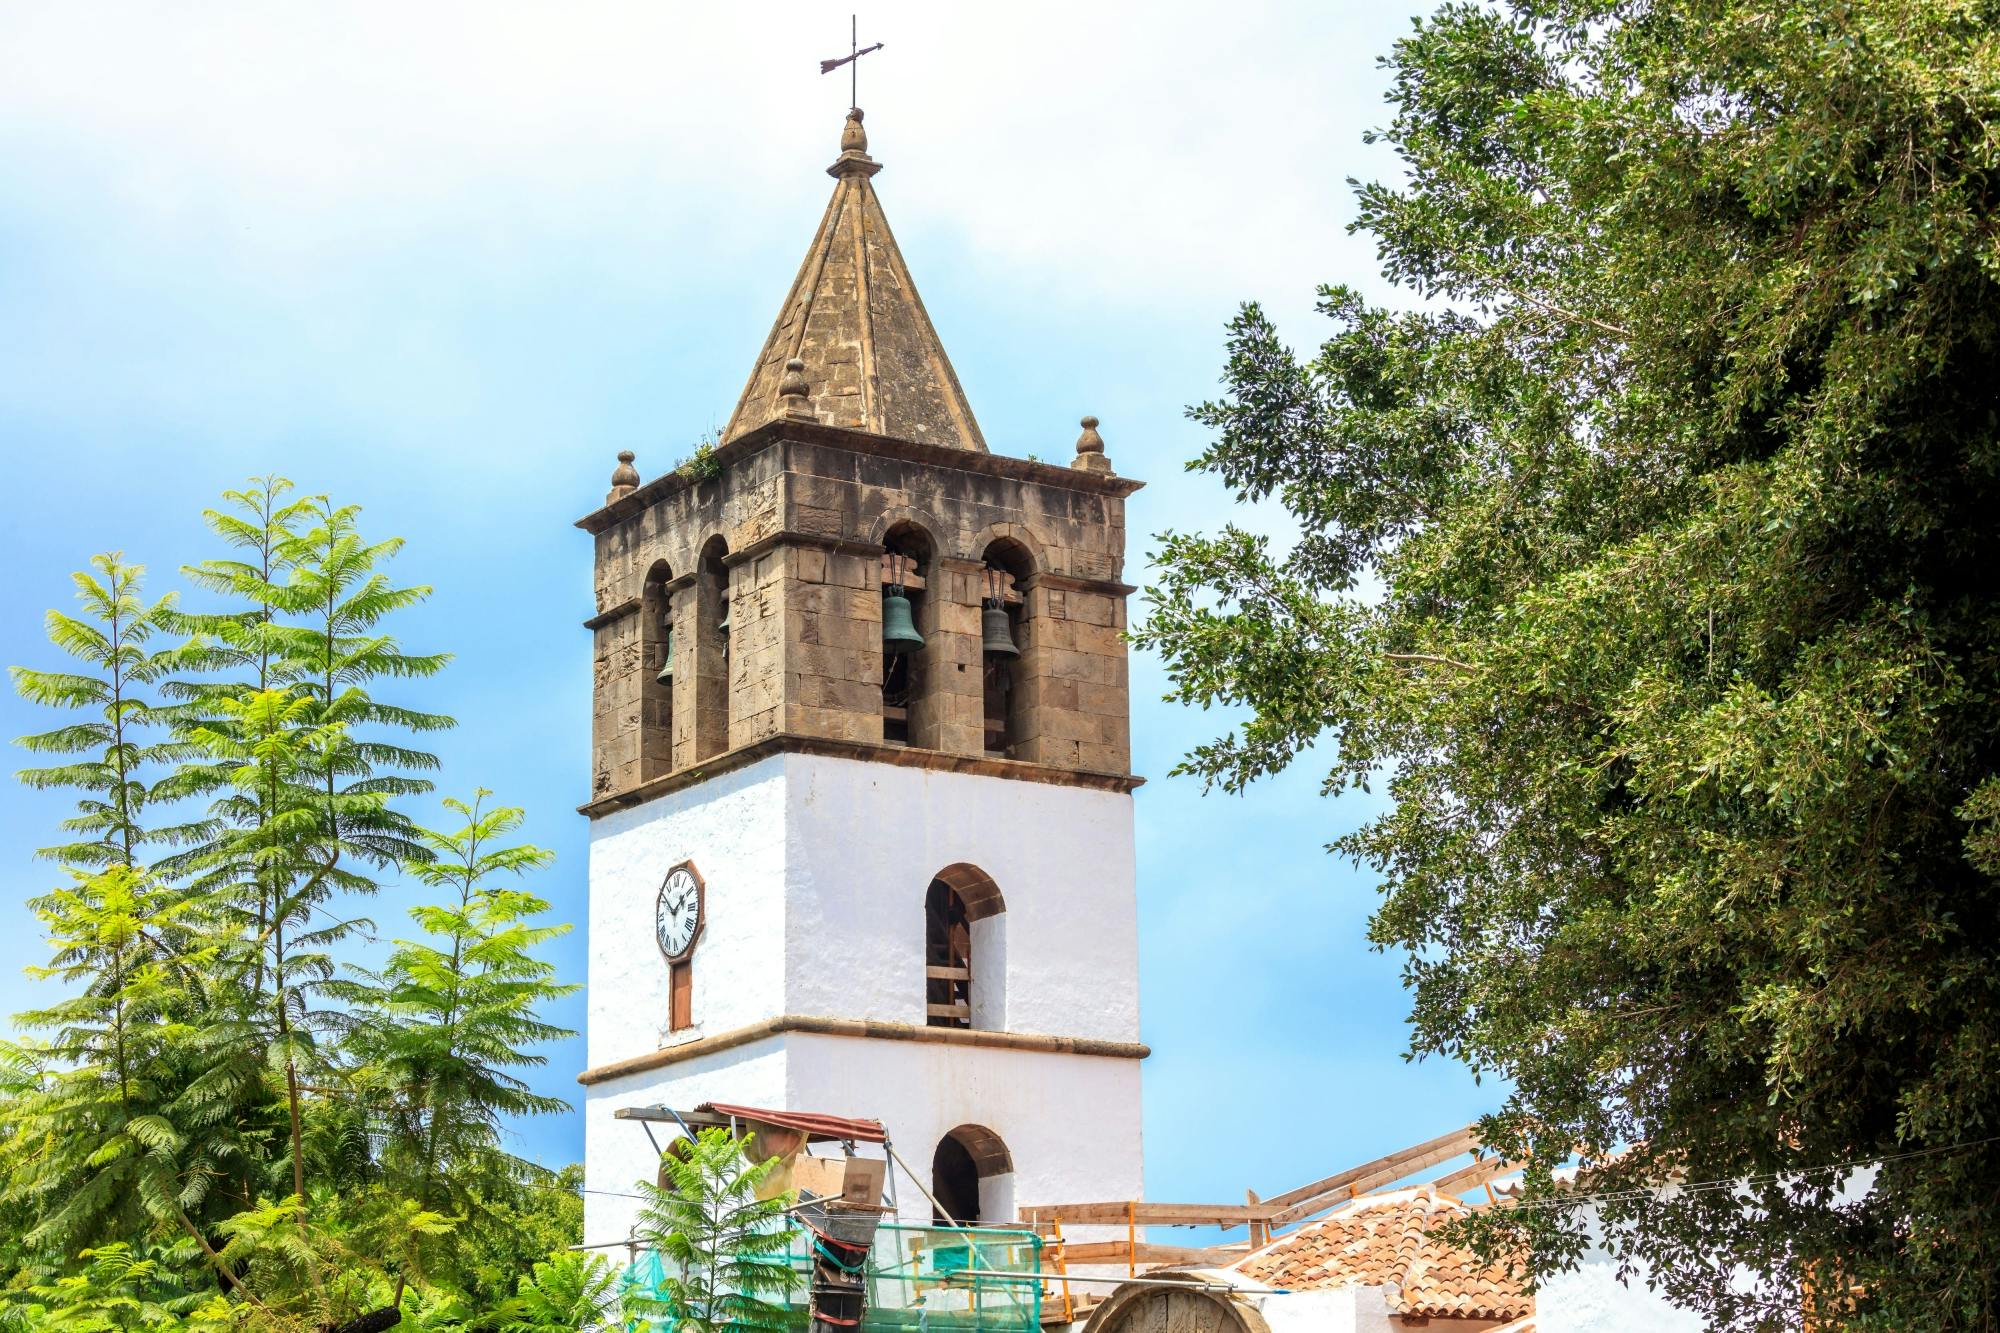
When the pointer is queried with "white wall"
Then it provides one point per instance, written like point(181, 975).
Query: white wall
point(865, 841)
point(1071, 1122)
point(816, 870)
point(617, 1152)
point(733, 829)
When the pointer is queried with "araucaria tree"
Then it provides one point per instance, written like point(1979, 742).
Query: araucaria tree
point(723, 1250)
point(221, 1119)
point(1652, 559)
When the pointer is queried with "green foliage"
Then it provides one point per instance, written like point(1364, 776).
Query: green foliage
point(439, 1029)
point(723, 1247)
point(1650, 563)
point(570, 1291)
point(288, 1140)
point(702, 465)
point(109, 746)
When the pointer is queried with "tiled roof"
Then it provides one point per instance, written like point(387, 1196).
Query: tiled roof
point(1384, 1240)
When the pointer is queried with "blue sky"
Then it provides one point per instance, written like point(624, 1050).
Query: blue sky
point(444, 261)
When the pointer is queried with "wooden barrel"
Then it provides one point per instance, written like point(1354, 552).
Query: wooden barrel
point(1151, 1309)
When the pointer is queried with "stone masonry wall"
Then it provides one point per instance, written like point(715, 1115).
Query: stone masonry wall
point(803, 512)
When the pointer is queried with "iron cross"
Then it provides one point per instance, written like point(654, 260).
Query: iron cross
point(852, 60)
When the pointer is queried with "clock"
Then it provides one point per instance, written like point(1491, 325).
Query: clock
point(678, 916)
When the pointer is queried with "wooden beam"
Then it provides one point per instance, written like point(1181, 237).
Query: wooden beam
point(1469, 1177)
point(1117, 1252)
point(963, 1011)
point(1293, 1205)
point(937, 973)
point(1150, 1214)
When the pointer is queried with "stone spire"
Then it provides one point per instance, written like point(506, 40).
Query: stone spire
point(872, 361)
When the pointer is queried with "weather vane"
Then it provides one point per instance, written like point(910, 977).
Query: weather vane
point(852, 60)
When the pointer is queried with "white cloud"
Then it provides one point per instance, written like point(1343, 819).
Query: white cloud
point(1144, 152)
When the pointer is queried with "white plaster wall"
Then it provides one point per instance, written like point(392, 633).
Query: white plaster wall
point(865, 841)
point(1071, 1123)
point(617, 1152)
point(816, 870)
point(1591, 1299)
point(1329, 1311)
point(733, 828)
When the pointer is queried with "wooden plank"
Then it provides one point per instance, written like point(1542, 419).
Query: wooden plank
point(910, 580)
point(1306, 1200)
point(937, 973)
point(1116, 1252)
point(1469, 1177)
point(1151, 1214)
point(963, 1011)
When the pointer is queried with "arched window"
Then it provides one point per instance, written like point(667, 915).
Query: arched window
point(972, 1177)
point(907, 714)
point(711, 692)
point(656, 690)
point(1003, 622)
point(965, 956)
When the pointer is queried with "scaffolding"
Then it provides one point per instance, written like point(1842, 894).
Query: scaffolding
point(937, 1279)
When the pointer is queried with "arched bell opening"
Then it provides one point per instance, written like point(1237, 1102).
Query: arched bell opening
point(711, 651)
point(1006, 642)
point(657, 667)
point(972, 1178)
point(908, 626)
point(965, 950)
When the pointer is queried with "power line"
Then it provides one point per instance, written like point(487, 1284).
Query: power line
point(1737, 1182)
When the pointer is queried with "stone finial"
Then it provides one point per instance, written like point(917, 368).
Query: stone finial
point(624, 477)
point(793, 392)
point(853, 159)
point(1090, 449)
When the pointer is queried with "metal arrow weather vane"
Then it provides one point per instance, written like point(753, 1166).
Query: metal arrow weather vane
point(852, 60)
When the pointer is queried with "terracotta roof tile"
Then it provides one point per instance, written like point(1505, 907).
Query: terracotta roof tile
point(1385, 1240)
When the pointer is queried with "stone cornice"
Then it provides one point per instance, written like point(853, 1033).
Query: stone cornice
point(869, 751)
point(864, 1029)
point(857, 442)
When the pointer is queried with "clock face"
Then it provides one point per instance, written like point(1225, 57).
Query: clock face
point(677, 917)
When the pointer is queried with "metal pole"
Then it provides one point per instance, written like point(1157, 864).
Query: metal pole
point(920, 1187)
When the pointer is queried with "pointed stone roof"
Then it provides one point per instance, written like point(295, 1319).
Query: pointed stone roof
point(872, 360)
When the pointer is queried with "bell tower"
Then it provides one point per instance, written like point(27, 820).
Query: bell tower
point(861, 812)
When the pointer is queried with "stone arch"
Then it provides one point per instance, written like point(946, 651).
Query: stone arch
point(911, 714)
point(1014, 535)
point(656, 685)
point(972, 1176)
point(965, 950)
point(711, 649)
point(896, 516)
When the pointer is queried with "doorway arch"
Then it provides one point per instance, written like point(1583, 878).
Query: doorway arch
point(972, 1177)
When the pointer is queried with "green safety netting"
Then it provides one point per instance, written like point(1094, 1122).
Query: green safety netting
point(930, 1279)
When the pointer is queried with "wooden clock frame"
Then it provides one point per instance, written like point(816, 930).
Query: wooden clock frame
point(680, 966)
point(700, 909)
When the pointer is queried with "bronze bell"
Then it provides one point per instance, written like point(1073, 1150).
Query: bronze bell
point(667, 667)
point(899, 627)
point(722, 627)
point(997, 635)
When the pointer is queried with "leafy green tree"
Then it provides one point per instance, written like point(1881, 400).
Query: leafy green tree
point(117, 1289)
point(91, 1153)
point(723, 1247)
point(440, 1030)
point(519, 1222)
point(568, 1292)
point(1650, 563)
point(111, 746)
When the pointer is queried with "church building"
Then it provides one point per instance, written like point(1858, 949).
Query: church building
point(861, 801)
